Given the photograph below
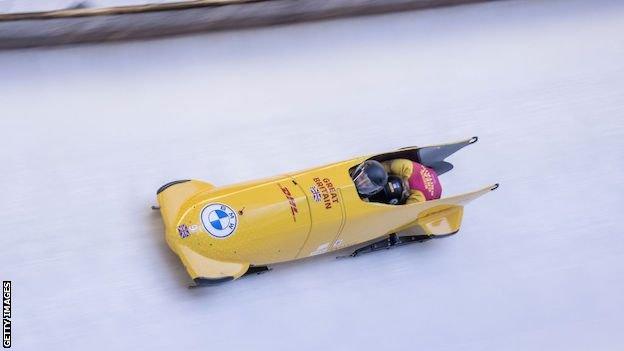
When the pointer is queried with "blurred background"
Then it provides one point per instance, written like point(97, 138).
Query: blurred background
point(95, 117)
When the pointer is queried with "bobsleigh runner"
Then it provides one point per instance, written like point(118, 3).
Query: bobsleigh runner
point(223, 233)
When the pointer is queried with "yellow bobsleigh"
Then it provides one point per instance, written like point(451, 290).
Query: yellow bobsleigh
point(222, 233)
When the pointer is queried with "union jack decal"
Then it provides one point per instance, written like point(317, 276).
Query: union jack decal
point(316, 194)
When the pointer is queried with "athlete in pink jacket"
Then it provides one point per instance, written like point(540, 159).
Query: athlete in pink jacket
point(419, 183)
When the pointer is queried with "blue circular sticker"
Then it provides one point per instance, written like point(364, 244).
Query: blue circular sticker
point(219, 220)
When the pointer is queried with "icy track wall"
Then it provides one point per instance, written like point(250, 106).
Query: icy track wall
point(147, 21)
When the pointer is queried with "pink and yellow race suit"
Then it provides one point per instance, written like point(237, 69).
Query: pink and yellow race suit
point(423, 181)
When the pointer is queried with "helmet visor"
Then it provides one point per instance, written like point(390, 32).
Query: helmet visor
point(364, 184)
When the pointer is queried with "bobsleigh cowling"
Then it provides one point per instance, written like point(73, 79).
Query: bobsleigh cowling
point(222, 233)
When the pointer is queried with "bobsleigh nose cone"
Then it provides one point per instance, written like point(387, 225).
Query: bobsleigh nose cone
point(165, 186)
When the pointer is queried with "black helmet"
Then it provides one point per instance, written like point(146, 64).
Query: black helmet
point(396, 190)
point(369, 177)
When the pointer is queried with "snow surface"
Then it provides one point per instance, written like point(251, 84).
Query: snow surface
point(88, 133)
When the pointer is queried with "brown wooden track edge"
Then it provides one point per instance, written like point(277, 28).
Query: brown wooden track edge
point(73, 26)
point(120, 10)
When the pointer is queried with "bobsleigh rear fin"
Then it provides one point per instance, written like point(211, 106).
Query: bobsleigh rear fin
point(444, 216)
point(430, 156)
point(433, 156)
point(441, 167)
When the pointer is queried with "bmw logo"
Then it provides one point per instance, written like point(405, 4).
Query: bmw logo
point(219, 220)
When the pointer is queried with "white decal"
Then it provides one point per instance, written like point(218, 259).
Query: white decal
point(320, 250)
